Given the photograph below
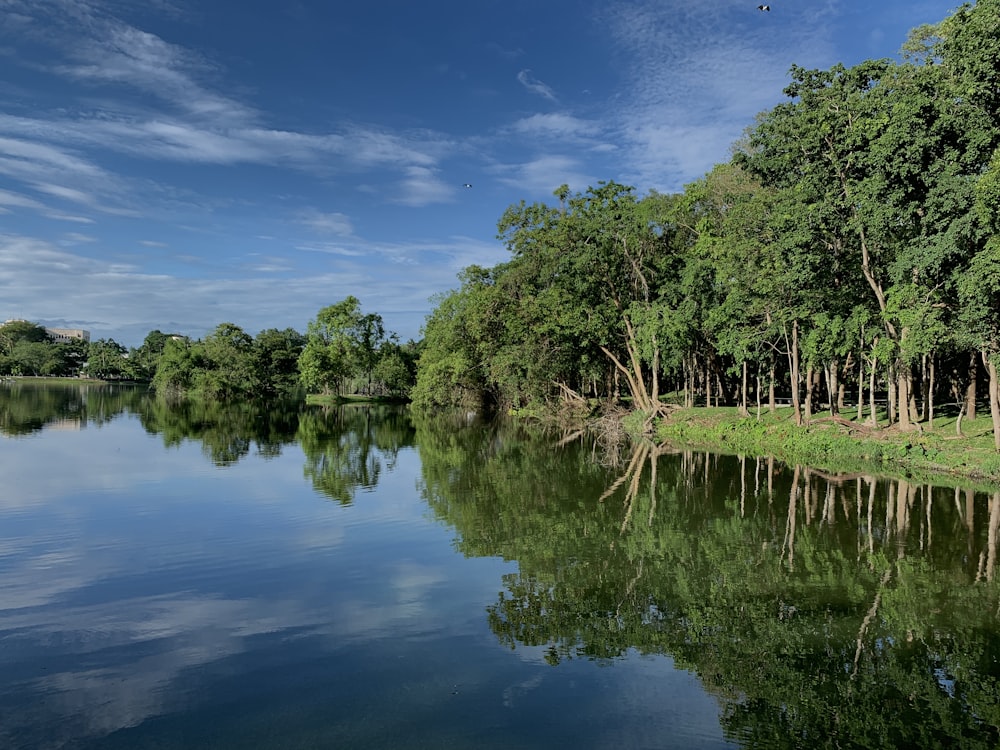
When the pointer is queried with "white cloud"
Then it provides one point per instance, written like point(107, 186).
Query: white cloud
point(17, 200)
point(535, 86)
point(422, 186)
point(118, 53)
point(541, 176)
point(327, 223)
point(126, 301)
point(76, 238)
point(556, 125)
point(84, 198)
point(695, 74)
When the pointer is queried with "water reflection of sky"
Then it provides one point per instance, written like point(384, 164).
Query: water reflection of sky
point(145, 592)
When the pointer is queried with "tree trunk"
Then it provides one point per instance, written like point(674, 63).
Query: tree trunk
point(925, 368)
point(912, 393)
point(970, 391)
point(861, 385)
point(743, 393)
point(757, 380)
point(903, 391)
point(771, 403)
point(833, 386)
point(873, 413)
point(810, 391)
point(994, 387)
point(930, 395)
point(890, 381)
point(793, 353)
point(655, 376)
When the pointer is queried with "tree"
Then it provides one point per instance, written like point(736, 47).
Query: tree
point(276, 355)
point(370, 337)
point(605, 262)
point(107, 359)
point(227, 370)
point(147, 356)
point(396, 367)
point(340, 342)
point(448, 372)
point(176, 368)
point(21, 330)
point(979, 288)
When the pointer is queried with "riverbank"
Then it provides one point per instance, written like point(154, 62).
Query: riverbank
point(842, 444)
point(321, 399)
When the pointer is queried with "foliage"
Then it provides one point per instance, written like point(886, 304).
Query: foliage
point(842, 239)
point(813, 606)
point(342, 343)
point(229, 364)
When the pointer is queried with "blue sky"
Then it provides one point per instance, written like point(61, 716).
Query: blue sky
point(175, 164)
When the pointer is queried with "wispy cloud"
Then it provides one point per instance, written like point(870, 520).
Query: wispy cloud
point(541, 176)
point(111, 51)
point(693, 72)
point(58, 152)
point(18, 200)
point(327, 223)
point(422, 186)
point(129, 301)
point(556, 125)
point(532, 84)
point(75, 238)
point(82, 197)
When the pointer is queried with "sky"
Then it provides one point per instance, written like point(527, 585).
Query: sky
point(174, 165)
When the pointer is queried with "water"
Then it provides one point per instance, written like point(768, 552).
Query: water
point(204, 577)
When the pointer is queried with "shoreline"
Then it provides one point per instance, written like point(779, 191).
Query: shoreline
point(933, 453)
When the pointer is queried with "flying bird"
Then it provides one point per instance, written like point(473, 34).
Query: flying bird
point(466, 184)
point(763, 7)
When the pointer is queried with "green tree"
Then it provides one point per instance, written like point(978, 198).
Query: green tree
point(176, 367)
point(448, 374)
point(340, 342)
point(276, 355)
point(147, 356)
point(21, 330)
point(396, 367)
point(107, 359)
point(227, 369)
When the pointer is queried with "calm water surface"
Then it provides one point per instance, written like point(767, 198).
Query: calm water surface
point(185, 577)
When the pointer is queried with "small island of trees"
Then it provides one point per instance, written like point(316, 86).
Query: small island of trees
point(342, 352)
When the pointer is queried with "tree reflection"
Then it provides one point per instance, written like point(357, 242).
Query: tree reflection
point(834, 610)
point(227, 431)
point(26, 407)
point(348, 446)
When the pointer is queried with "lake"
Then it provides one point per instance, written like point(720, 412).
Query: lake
point(211, 577)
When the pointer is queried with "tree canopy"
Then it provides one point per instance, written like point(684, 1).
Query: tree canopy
point(847, 247)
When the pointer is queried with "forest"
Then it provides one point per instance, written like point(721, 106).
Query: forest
point(847, 253)
point(846, 258)
point(342, 351)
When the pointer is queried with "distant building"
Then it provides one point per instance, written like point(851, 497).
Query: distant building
point(68, 335)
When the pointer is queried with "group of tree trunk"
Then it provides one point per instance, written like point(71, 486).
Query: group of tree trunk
point(848, 252)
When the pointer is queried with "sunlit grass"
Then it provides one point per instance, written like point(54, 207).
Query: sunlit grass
point(845, 441)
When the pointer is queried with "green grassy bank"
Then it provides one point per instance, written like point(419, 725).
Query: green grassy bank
point(321, 399)
point(844, 444)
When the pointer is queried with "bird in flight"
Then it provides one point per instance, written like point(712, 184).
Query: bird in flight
point(466, 184)
point(763, 7)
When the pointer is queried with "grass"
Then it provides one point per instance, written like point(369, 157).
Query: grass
point(57, 380)
point(845, 444)
point(332, 399)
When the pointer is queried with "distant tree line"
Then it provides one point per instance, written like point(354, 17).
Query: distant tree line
point(27, 349)
point(343, 351)
point(848, 251)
